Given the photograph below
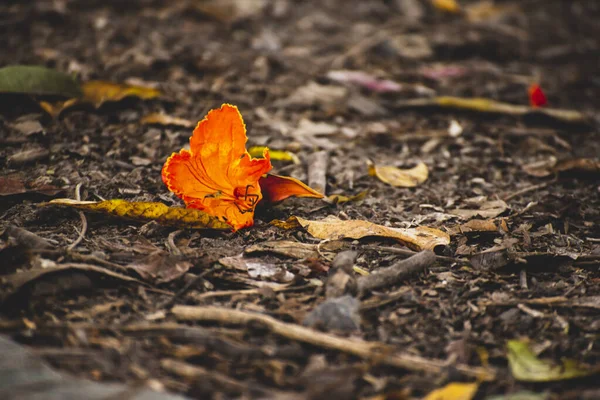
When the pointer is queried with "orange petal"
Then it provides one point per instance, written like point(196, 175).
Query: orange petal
point(276, 188)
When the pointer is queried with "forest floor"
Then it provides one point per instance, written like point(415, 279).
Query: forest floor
point(532, 177)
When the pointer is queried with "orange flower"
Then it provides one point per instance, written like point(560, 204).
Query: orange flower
point(217, 175)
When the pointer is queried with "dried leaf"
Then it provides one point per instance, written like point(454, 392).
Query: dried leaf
point(551, 166)
point(419, 238)
point(537, 98)
point(454, 391)
point(480, 225)
point(258, 269)
point(280, 155)
point(145, 211)
point(449, 6)
point(488, 11)
point(315, 94)
point(277, 188)
point(486, 209)
point(164, 119)
point(484, 105)
point(340, 198)
point(526, 366)
point(285, 248)
point(400, 177)
point(229, 11)
point(97, 93)
point(217, 175)
point(37, 80)
point(160, 267)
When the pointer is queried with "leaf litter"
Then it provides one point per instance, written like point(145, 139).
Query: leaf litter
point(530, 270)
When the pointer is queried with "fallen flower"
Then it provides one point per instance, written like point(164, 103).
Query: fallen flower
point(218, 175)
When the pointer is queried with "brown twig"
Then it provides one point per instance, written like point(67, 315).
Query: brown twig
point(386, 277)
point(410, 253)
point(374, 351)
point(317, 170)
point(527, 190)
point(84, 223)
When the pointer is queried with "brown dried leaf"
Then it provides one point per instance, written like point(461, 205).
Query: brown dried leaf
point(160, 267)
point(419, 238)
point(164, 119)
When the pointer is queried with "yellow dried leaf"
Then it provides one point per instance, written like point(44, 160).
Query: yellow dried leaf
point(164, 119)
point(420, 238)
point(99, 92)
point(400, 177)
point(487, 10)
point(525, 366)
point(340, 198)
point(449, 6)
point(280, 155)
point(148, 211)
point(454, 391)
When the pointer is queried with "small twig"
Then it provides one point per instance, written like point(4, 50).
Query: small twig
point(84, 223)
point(375, 351)
point(527, 190)
point(317, 170)
point(248, 292)
point(386, 277)
point(197, 373)
point(190, 285)
point(410, 253)
point(171, 243)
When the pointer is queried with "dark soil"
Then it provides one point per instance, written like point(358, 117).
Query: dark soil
point(461, 310)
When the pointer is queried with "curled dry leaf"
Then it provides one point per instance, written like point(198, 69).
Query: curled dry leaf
point(526, 366)
point(147, 211)
point(454, 391)
point(97, 93)
point(420, 238)
point(397, 177)
point(164, 119)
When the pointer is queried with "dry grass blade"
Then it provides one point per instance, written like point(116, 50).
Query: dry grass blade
point(373, 351)
point(495, 107)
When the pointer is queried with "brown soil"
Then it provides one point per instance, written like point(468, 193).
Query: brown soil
point(461, 310)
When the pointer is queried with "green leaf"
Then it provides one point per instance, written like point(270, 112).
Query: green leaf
point(525, 366)
point(37, 80)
